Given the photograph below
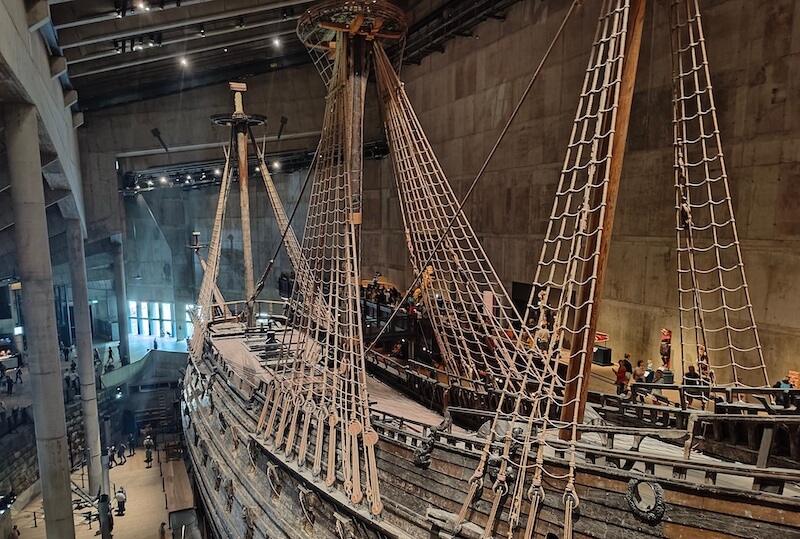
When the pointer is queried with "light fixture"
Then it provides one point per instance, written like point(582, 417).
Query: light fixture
point(276, 165)
point(276, 42)
point(217, 172)
point(150, 183)
point(137, 186)
point(225, 49)
point(184, 61)
point(202, 29)
point(163, 179)
point(188, 176)
point(186, 182)
point(258, 169)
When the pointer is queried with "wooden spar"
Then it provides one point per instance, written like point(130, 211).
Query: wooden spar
point(244, 203)
point(574, 375)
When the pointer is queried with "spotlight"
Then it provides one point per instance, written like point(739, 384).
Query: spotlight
point(188, 176)
point(225, 49)
point(276, 165)
point(276, 42)
point(217, 172)
point(137, 186)
point(140, 5)
point(258, 169)
point(163, 179)
point(184, 61)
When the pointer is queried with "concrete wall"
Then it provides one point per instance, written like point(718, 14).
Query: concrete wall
point(464, 96)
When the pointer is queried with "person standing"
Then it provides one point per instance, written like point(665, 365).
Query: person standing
point(131, 444)
point(18, 376)
point(14, 533)
point(121, 453)
point(691, 378)
point(639, 372)
point(9, 386)
point(112, 451)
point(621, 377)
point(121, 498)
point(162, 531)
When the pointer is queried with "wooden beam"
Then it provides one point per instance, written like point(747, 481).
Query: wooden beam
point(70, 98)
point(38, 15)
point(631, 62)
point(58, 66)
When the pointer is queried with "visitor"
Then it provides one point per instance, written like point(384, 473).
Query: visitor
point(639, 372)
point(9, 386)
point(18, 376)
point(691, 378)
point(621, 377)
point(782, 400)
point(542, 336)
point(658, 379)
point(121, 453)
point(131, 444)
point(14, 533)
point(111, 450)
point(121, 498)
point(155, 344)
point(162, 531)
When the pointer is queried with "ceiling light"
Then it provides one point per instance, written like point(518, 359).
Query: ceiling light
point(276, 42)
point(186, 182)
point(163, 179)
point(137, 186)
point(202, 30)
point(184, 62)
point(276, 165)
point(140, 5)
point(150, 183)
point(217, 172)
point(188, 176)
point(225, 49)
point(258, 169)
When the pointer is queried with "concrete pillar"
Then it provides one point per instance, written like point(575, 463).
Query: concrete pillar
point(122, 301)
point(84, 351)
point(33, 252)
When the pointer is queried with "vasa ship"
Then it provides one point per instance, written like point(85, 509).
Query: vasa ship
point(289, 436)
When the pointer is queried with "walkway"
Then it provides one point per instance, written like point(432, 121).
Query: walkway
point(144, 511)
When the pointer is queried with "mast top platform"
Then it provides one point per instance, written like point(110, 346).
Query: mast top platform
point(318, 27)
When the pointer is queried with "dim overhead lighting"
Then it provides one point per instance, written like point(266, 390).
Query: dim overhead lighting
point(276, 42)
point(276, 165)
point(163, 179)
point(184, 61)
point(258, 169)
point(217, 172)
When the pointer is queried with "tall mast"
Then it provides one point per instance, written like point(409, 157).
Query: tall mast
point(241, 127)
point(577, 388)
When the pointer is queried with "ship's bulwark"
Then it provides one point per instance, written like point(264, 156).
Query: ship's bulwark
point(251, 491)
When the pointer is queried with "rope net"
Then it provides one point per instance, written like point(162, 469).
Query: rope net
point(459, 291)
point(717, 326)
point(512, 471)
point(320, 379)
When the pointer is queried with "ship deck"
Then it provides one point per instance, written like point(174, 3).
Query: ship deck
point(383, 398)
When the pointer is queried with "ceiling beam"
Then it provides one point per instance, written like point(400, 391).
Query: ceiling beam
point(183, 39)
point(114, 15)
point(172, 55)
point(175, 85)
point(222, 15)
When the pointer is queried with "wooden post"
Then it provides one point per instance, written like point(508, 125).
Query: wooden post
point(631, 62)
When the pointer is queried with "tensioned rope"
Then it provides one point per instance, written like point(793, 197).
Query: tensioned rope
point(513, 457)
point(717, 325)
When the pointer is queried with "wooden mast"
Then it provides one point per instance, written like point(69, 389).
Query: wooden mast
point(241, 127)
point(579, 379)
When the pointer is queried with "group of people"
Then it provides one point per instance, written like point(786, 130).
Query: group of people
point(625, 374)
point(9, 377)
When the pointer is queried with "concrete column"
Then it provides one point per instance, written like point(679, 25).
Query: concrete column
point(122, 300)
point(36, 275)
point(83, 349)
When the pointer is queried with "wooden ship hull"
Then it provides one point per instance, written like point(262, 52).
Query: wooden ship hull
point(251, 490)
point(288, 435)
